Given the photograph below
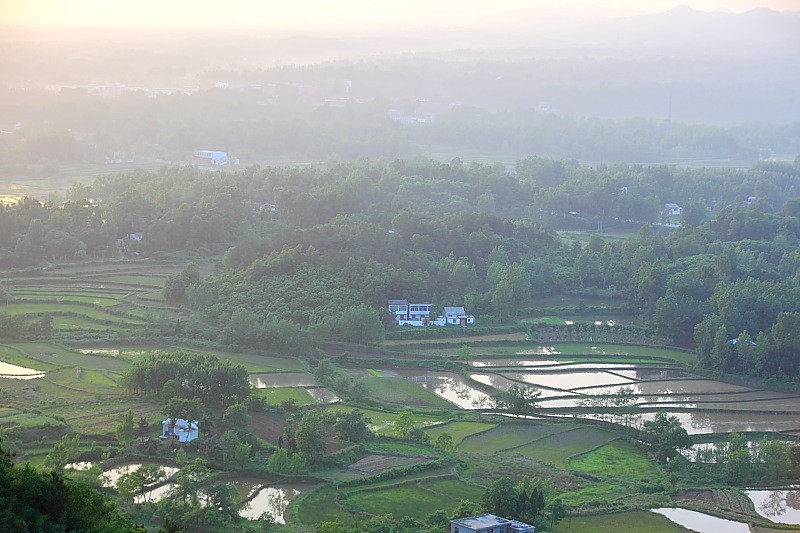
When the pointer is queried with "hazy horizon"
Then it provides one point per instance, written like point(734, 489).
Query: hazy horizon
point(345, 15)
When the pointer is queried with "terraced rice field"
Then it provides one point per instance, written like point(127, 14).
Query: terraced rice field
point(558, 448)
point(510, 437)
point(373, 464)
point(458, 430)
point(616, 460)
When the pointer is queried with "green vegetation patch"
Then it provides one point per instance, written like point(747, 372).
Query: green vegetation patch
point(320, 506)
point(14, 356)
point(84, 310)
point(455, 488)
point(558, 448)
point(400, 391)
point(77, 323)
point(408, 500)
point(508, 436)
point(135, 280)
point(624, 349)
point(276, 396)
point(630, 522)
point(619, 459)
point(551, 320)
point(458, 430)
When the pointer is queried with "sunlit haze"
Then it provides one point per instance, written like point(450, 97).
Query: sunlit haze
point(324, 14)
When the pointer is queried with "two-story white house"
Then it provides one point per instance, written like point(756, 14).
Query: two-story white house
point(413, 314)
point(419, 314)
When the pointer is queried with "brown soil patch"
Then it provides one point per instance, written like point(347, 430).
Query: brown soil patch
point(267, 427)
point(372, 464)
point(706, 495)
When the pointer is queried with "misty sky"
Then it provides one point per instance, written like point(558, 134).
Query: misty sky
point(327, 14)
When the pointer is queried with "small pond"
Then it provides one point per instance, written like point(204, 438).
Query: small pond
point(112, 475)
point(782, 506)
point(702, 523)
point(7, 370)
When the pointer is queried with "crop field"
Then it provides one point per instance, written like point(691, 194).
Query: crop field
point(618, 459)
point(630, 522)
point(510, 436)
point(556, 449)
point(278, 395)
point(373, 464)
point(133, 280)
point(408, 500)
point(399, 391)
point(454, 488)
point(458, 430)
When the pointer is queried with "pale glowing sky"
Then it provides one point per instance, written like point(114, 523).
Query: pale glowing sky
point(329, 14)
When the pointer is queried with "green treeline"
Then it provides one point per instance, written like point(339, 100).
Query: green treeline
point(313, 253)
point(216, 383)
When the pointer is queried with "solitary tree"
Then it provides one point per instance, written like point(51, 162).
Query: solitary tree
point(665, 436)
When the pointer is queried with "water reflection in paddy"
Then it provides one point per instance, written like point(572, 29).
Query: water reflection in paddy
point(782, 506)
point(112, 475)
point(673, 386)
point(500, 381)
point(449, 386)
point(270, 500)
point(283, 379)
point(698, 422)
point(700, 522)
point(571, 380)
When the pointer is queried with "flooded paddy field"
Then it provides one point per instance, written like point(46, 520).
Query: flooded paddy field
point(703, 405)
point(781, 506)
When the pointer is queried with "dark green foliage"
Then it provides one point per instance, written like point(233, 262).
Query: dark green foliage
point(352, 426)
point(214, 382)
point(31, 500)
point(665, 436)
point(521, 501)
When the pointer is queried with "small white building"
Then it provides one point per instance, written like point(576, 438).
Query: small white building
point(182, 430)
point(212, 156)
point(673, 210)
point(455, 316)
point(489, 523)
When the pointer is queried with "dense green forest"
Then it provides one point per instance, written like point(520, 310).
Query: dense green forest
point(310, 251)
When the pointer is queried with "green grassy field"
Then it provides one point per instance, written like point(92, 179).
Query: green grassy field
point(455, 489)
point(619, 460)
point(275, 396)
point(630, 522)
point(556, 449)
point(509, 436)
point(15, 309)
point(400, 391)
point(407, 500)
point(458, 430)
point(14, 356)
point(134, 280)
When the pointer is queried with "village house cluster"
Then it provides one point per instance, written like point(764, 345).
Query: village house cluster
point(419, 314)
